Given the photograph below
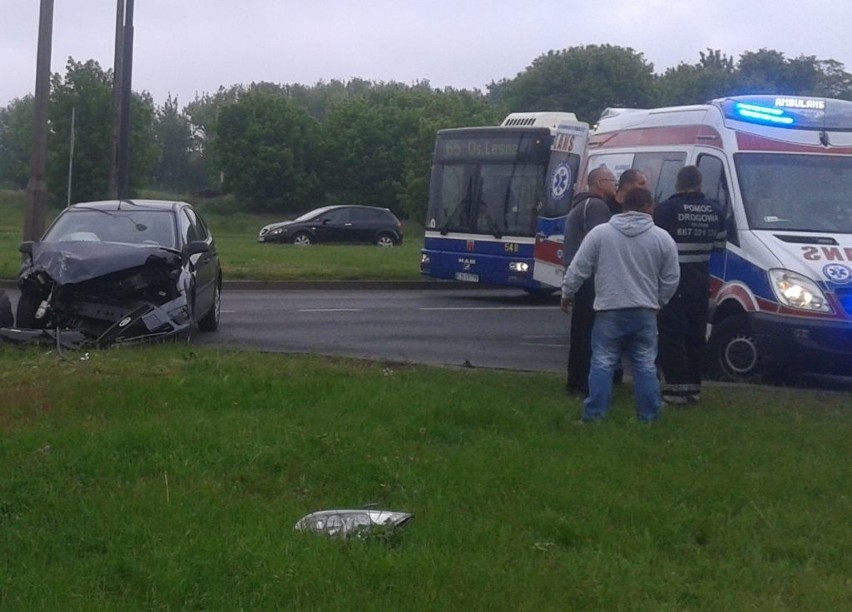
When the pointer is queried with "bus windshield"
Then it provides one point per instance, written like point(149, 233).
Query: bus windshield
point(794, 192)
point(497, 199)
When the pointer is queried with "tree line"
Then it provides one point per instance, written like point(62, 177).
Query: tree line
point(287, 148)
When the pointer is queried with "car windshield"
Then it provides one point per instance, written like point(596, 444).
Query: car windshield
point(149, 227)
point(807, 193)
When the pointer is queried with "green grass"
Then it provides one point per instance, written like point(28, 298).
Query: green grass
point(171, 478)
point(243, 258)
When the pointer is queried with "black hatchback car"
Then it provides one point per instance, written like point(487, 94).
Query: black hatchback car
point(340, 224)
point(121, 271)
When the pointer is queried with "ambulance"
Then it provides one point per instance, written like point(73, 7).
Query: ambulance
point(781, 168)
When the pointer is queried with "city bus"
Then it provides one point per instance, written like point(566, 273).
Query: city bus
point(498, 193)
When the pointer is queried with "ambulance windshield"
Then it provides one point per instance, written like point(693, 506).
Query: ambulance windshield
point(808, 193)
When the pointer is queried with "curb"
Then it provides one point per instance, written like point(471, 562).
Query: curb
point(350, 285)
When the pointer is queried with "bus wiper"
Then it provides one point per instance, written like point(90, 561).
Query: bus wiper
point(446, 227)
point(492, 224)
point(467, 198)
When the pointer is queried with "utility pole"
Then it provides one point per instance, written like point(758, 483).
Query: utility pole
point(117, 76)
point(34, 216)
point(122, 150)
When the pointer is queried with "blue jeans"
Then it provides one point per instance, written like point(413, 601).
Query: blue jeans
point(632, 331)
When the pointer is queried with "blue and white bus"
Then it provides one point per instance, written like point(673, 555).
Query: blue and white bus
point(498, 197)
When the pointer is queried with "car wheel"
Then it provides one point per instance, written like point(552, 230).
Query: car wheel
point(732, 351)
point(6, 318)
point(385, 240)
point(25, 314)
point(210, 321)
point(302, 239)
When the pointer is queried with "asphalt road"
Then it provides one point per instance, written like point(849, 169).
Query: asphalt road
point(481, 328)
point(460, 326)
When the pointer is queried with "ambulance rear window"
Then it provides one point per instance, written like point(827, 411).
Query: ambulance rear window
point(793, 112)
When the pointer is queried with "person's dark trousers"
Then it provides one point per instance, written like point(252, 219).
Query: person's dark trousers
point(682, 327)
point(580, 347)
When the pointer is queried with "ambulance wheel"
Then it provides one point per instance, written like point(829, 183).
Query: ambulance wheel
point(732, 351)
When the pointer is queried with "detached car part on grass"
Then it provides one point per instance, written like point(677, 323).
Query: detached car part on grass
point(347, 523)
point(79, 292)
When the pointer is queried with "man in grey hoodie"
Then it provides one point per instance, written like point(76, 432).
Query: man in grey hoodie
point(635, 268)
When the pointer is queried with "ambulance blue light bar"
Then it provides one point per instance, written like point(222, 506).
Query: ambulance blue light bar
point(793, 112)
point(762, 114)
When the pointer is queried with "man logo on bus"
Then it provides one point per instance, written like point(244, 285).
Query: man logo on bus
point(561, 181)
point(838, 273)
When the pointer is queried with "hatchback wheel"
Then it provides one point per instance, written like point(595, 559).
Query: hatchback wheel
point(210, 321)
point(302, 239)
point(385, 240)
point(6, 318)
point(25, 316)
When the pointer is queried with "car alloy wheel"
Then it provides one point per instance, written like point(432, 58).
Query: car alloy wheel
point(385, 240)
point(302, 239)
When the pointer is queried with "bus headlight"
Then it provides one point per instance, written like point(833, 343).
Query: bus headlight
point(796, 291)
point(519, 266)
point(424, 259)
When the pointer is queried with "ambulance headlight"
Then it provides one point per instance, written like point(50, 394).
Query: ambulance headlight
point(796, 291)
point(519, 266)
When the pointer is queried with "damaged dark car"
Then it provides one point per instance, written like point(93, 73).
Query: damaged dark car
point(119, 271)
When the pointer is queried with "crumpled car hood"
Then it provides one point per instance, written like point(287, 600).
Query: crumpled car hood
point(74, 262)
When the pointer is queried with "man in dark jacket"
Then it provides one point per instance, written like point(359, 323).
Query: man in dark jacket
point(698, 227)
point(590, 208)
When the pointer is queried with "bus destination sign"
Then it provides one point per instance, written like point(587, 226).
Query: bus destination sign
point(472, 146)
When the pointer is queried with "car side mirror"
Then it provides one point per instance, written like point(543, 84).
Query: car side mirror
point(26, 247)
point(195, 247)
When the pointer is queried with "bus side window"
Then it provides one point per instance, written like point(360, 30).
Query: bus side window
point(714, 184)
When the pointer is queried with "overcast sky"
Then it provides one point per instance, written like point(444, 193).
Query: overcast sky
point(189, 47)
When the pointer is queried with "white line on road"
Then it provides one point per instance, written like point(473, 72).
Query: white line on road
point(329, 310)
point(491, 308)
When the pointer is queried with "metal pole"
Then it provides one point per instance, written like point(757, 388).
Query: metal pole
point(34, 216)
point(123, 182)
point(117, 80)
point(71, 155)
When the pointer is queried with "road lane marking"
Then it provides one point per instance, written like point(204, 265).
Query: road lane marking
point(489, 308)
point(329, 310)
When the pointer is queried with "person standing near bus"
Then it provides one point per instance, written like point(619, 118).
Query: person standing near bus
point(591, 208)
point(698, 227)
point(635, 270)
